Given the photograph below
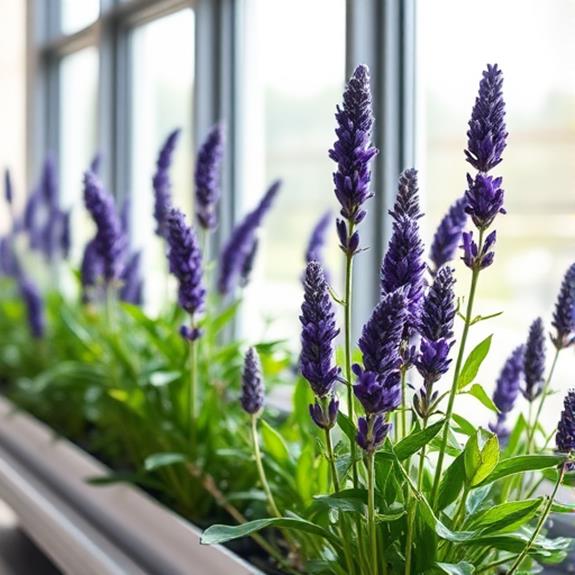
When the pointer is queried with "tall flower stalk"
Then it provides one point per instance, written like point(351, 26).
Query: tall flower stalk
point(487, 136)
point(353, 153)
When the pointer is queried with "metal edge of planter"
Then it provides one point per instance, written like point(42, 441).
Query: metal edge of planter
point(87, 529)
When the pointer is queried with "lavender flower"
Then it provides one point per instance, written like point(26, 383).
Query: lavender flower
point(248, 266)
point(534, 361)
point(484, 199)
point(208, 167)
point(407, 198)
point(240, 244)
point(565, 437)
point(185, 260)
point(438, 310)
point(378, 393)
point(65, 233)
point(252, 398)
point(317, 239)
point(382, 334)
point(162, 183)
point(372, 432)
point(9, 264)
point(353, 152)
point(403, 267)
point(487, 132)
point(110, 241)
point(8, 187)
point(564, 314)
point(96, 164)
point(91, 270)
point(472, 258)
point(507, 389)
point(132, 284)
point(318, 333)
point(433, 360)
point(324, 412)
point(48, 182)
point(34, 306)
point(448, 234)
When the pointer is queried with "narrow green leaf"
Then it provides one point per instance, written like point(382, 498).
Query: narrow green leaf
point(520, 464)
point(415, 441)
point(516, 435)
point(461, 568)
point(274, 444)
point(505, 517)
point(479, 393)
point(440, 529)
point(481, 455)
point(473, 363)
point(451, 483)
point(465, 426)
point(349, 500)
point(304, 474)
point(163, 459)
point(346, 426)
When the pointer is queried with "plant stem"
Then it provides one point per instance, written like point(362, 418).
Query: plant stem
point(347, 330)
point(371, 510)
point(403, 402)
point(109, 306)
point(260, 467)
point(458, 365)
point(540, 523)
point(331, 458)
point(191, 398)
point(531, 435)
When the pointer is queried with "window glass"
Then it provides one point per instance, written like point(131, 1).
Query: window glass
point(293, 81)
point(78, 135)
point(162, 90)
point(77, 14)
point(536, 239)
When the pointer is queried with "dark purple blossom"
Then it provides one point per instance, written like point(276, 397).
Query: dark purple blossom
point(317, 239)
point(372, 431)
point(96, 164)
point(34, 307)
point(438, 310)
point(65, 233)
point(318, 333)
point(163, 184)
point(403, 267)
point(185, 260)
point(110, 241)
point(132, 283)
point(91, 270)
point(239, 246)
point(487, 132)
point(252, 398)
point(49, 183)
point(564, 314)
point(407, 198)
point(472, 257)
point(324, 412)
point(433, 359)
point(9, 264)
point(207, 176)
point(8, 187)
point(534, 361)
point(565, 438)
point(378, 393)
point(484, 199)
point(353, 152)
point(248, 267)
point(448, 235)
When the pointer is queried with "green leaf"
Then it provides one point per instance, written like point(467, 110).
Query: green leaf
point(274, 444)
point(481, 455)
point(161, 378)
point(346, 426)
point(506, 516)
point(479, 393)
point(304, 474)
point(520, 464)
point(223, 533)
point(163, 459)
point(451, 483)
point(466, 426)
point(516, 435)
point(415, 441)
point(461, 568)
point(440, 529)
point(473, 363)
point(348, 500)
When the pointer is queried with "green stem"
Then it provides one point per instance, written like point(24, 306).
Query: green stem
point(493, 564)
point(260, 467)
point(331, 458)
point(347, 329)
point(191, 398)
point(371, 511)
point(540, 523)
point(403, 402)
point(109, 307)
point(458, 365)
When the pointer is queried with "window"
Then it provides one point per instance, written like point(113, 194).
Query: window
point(77, 15)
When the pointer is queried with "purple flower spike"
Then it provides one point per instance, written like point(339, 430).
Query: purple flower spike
point(34, 307)
point(382, 334)
point(248, 267)
point(185, 260)
point(564, 314)
point(484, 199)
point(487, 132)
point(317, 239)
point(91, 270)
point(66, 233)
point(534, 361)
point(353, 152)
point(433, 360)
point(318, 333)
point(96, 164)
point(471, 256)
point(162, 183)
point(324, 413)
point(438, 311)
point(372, 432)
point(131, 291)
point(448, 235)
point(403, 267)
point(48, 182)
point(407, 199)
point(240, 245)
point(207, 176)
point(252, 398)
point(565, 438)
point(8, 187)
point(378, 393)
point(110, 240)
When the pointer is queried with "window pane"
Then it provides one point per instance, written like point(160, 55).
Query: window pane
point(162, 90)
point(78, 136)
point(77, 14)
point(535, 242)
point(293, 82)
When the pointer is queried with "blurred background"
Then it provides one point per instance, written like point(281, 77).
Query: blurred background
point(115, 76)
